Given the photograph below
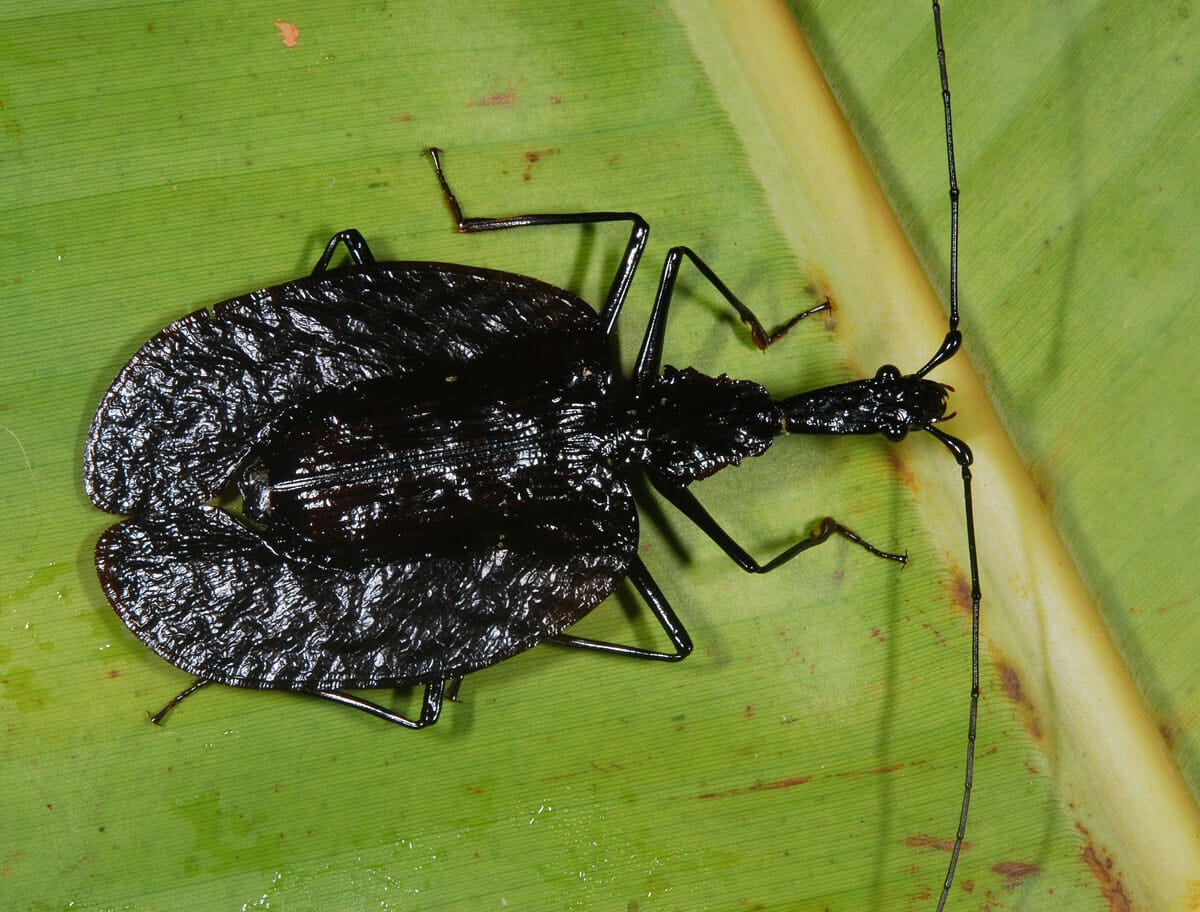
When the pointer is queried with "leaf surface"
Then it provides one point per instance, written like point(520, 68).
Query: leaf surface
point(156, 159)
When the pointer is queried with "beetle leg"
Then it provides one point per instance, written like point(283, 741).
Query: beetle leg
point(158, 717)
point(653, 596)
point(431, 705)
point(649, 359)
point(629, 260)
point(685, 501)
point(356, 246)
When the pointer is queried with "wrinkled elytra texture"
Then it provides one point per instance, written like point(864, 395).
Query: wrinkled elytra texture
point(212, 597)
point(210, 394)
point(191, 404)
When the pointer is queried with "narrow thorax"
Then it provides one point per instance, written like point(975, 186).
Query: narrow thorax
point(687, 425)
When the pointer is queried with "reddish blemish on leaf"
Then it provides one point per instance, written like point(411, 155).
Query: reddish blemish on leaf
point(902, 469)
point(933, 842)
point(757, 787)
point(962, 594)
point(1014, 872)
point(496, 100)
point(288, 32)
point(1014, 688)
point(1110, 885)
point(532, 158)
point(875, 771)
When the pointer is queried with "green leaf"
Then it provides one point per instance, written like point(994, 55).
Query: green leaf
point(157, 158)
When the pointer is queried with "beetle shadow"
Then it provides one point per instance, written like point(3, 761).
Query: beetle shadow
point(650, 508)
point(693, 292)
point(585, 253)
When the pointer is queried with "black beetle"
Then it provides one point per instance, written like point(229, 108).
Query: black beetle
point(433, 463)
point(434, 467)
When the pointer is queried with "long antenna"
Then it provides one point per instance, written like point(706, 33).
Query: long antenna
point(941, 55)
point(953, 337)
point(962, 455)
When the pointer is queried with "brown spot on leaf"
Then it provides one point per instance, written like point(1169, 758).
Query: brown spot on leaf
point(1168, 735)
point(871, 772)
point(1042, 486)
point(933, 842)
point(962, 594)
point(504, 99)
point(757, 787)
point(1101, 866)
point(1014, 688)
point(532, 158)
point(1110, 885)
point(1014, 872)
point(901, 469)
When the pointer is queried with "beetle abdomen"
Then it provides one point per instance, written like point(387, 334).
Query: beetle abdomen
point(423, 464)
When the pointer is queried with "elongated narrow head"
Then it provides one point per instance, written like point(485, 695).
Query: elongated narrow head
point(890, 403)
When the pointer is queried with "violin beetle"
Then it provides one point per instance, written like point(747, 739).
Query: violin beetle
point(435, 466)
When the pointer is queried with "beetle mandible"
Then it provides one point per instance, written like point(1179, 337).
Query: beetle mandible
point(434, 467)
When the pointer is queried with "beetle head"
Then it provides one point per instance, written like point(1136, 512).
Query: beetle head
point(904, 402)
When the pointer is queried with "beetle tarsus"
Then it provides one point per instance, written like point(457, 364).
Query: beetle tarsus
point(687, 504)
point(158, 717)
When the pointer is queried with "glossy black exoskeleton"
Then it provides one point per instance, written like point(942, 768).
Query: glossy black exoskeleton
point(434, 464)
